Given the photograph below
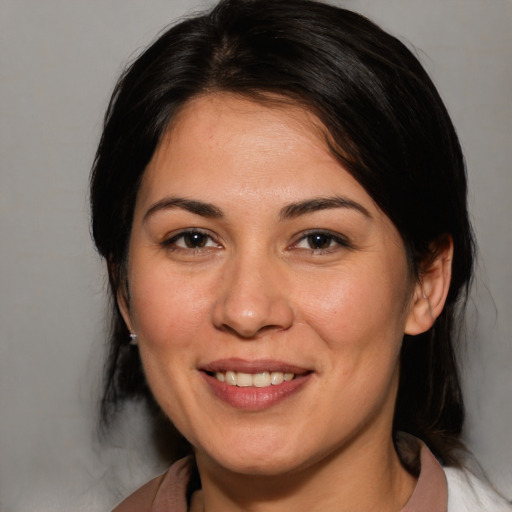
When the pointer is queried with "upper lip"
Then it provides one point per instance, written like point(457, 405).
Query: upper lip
point(253, 366)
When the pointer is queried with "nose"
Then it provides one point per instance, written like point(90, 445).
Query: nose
point(253, 299)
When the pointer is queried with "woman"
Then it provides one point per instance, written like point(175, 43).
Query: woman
point(280, 197)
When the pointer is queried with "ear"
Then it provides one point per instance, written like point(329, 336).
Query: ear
point(118, 280)
point(431, 290)
point(122, 294)
point(122, 302)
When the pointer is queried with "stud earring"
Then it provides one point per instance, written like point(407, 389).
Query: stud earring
point(133, 339)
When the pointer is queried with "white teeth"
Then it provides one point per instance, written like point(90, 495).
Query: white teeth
point(276, 378)
point(243, 380)
point(258, 380)
point(231, 378)
point(261, 380)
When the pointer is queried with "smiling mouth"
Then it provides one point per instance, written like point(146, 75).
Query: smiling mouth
point(254, 385)
point(258, 380)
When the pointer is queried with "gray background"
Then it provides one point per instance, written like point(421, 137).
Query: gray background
point(59, 60)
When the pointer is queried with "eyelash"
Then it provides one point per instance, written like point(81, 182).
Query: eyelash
point(333, 241)
point(171, 243)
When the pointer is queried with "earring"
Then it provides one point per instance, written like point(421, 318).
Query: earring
point(133, 339)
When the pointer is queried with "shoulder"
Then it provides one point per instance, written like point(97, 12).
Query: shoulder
point(467, 493)
point(166, 492)
point(142, 499)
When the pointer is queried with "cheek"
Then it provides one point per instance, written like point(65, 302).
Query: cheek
point(170, 313)
point(167, 308)
point(359, 316)
point(358, 309)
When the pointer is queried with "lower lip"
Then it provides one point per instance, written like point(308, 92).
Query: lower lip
point(252, 398)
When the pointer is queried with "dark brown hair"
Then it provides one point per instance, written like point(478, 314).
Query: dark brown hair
point(385, 123)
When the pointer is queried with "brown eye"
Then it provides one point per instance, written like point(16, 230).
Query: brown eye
point(195, 240)
point(192, 239)
point(319, 241)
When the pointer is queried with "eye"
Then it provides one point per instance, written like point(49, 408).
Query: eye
point(319, 241)
point(193, 239)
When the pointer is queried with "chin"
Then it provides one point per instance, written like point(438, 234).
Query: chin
point(263, 459)
point(261, 466)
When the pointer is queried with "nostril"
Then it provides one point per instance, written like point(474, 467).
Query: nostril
point(248, 334)
point(251, 305)
point(242, 332)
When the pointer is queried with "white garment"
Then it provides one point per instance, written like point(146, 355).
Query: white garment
point(466, 493)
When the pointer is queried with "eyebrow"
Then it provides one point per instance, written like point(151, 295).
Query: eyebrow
point(290, 211)
point(190, 205)
point(294, 210)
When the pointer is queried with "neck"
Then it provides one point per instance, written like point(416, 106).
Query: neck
point(363, 476)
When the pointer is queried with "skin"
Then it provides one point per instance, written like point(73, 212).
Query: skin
point(327, 290)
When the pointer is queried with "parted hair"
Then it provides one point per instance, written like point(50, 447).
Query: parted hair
point(383, 120)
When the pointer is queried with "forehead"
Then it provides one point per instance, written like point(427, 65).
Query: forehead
point(269, 104)
point(219, 134)
point(238, 121)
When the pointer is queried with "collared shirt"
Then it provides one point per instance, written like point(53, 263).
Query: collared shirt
point(167, 493)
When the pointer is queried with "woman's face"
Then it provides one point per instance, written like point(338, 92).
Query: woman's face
point(269, 294)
